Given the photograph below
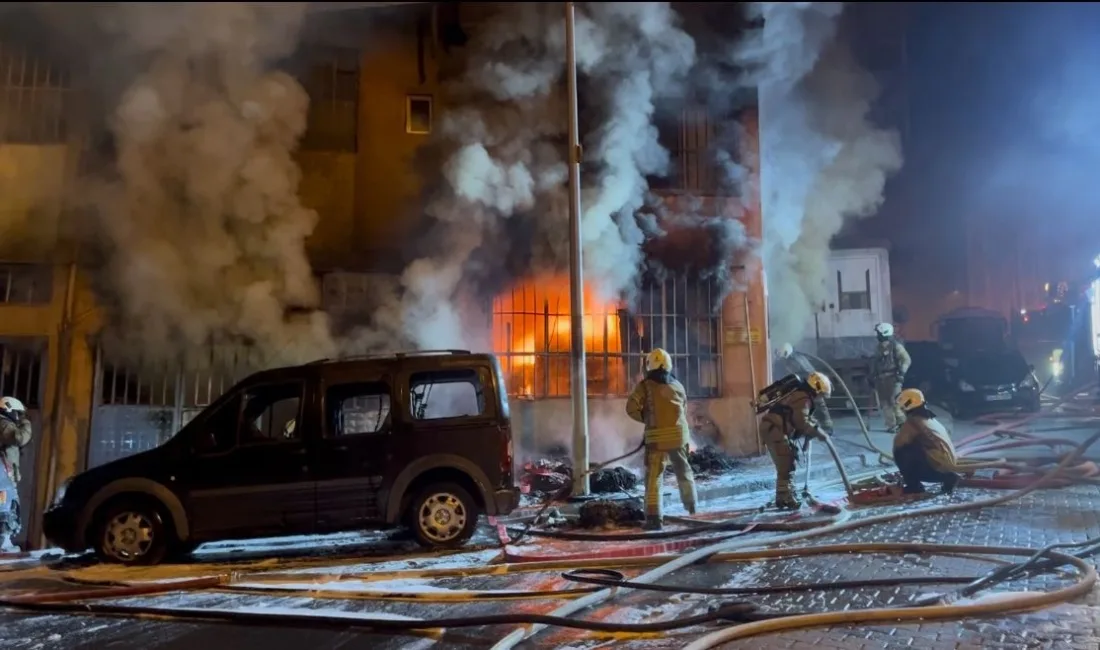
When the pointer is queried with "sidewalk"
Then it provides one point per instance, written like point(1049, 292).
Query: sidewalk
point(757, 474)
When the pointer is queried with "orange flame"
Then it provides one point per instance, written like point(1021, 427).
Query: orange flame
point(532, 332)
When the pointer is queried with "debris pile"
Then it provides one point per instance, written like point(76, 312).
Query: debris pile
point(709, 461)
point(603, 514)
point(547, 477)
point(614, 479)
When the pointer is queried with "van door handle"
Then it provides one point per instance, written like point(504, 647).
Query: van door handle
point(299, 452)
point(341, 448)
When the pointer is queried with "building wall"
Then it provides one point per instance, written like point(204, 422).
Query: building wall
point(365, 199)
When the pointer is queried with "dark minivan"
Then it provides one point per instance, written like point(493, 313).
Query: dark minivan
point(418, 439)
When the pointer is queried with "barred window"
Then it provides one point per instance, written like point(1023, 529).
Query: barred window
point(21, 373)
point(33, 96)
point(26, 284)
point(531, 335)
point(332, 82)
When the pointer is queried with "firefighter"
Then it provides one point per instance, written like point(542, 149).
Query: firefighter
point(789, 425)
point(923, 449)
point(15, 433)
point(888, 368)
point(799, 364)
point(660, 403)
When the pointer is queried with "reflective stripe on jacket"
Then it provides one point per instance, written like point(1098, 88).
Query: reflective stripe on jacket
point(662, 408)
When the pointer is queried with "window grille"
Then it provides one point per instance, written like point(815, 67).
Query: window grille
point(26, 284)
point(531, 335)
point(332, 82)
point(33, 98)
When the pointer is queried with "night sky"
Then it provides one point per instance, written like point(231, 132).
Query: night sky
point(1000, 106)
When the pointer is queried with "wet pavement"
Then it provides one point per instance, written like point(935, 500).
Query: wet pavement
point(378, 576)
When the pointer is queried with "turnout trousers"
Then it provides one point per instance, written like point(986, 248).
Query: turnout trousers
point(915, 469)
point(659, 450)
point(784, 453)
point(888, 390)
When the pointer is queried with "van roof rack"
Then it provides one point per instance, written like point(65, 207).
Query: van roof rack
point(391, 355)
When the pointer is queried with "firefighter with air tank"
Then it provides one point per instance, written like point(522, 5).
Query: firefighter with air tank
point(795, 362)
point(659, 402)
point(888, 368)
point(788, 425)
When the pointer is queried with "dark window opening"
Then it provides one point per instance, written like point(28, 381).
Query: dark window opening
point(418, 114)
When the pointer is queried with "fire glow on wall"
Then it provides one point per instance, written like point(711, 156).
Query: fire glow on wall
point(531, 334)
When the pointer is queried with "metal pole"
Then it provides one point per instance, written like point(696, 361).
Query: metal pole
point(578, 377)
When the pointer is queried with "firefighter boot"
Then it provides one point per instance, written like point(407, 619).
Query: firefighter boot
point(950, 484)
point(652, 523)
point(787, 501)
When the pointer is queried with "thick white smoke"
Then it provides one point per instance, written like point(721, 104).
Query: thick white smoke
point(500, 146)
point(202, 226)
point(822, 160)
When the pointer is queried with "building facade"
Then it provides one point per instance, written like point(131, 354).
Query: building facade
point(371, 109)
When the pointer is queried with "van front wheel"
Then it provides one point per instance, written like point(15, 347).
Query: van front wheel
point(131, 532)
point(443, 515)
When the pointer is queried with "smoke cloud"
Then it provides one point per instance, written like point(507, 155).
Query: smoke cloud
point(199, 221)
point(822, 161)
point(500, 209)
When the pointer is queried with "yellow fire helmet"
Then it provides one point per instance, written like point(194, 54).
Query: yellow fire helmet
point(658, 359)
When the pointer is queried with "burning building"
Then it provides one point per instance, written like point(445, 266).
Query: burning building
point(232, 185)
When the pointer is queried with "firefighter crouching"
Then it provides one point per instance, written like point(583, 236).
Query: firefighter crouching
point(923, 450)
point(660, 403)
point(796, 363)
point(888, 368)
point(15, 433)
point(787, 426)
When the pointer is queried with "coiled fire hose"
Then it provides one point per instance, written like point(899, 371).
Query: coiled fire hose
point(843, 524)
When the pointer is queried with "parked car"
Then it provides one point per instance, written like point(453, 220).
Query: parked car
point(972, 383)
point(419, 439)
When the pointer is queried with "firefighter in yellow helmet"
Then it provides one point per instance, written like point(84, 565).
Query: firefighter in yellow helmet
point(923, 449)
point(15, 433)
point(787, 427)
point(660, 403)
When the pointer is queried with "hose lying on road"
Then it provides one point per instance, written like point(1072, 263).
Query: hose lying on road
point(998, 604)
point(842, 525)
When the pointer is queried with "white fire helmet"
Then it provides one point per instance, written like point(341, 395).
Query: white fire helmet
point(884, 330)
point(658, 359)
point(11, 404)
point(820, 384)
point(909, 399)
point(785, 351)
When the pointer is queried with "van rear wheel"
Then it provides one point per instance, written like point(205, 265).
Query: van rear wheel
point(131, 532)
point(443, 515)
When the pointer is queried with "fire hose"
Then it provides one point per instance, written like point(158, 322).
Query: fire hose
point(843, 524)
point(760, 621)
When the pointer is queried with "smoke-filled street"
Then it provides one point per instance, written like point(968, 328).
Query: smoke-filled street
point(319, 587)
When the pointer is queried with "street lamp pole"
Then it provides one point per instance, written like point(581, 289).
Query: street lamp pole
point(578, 375)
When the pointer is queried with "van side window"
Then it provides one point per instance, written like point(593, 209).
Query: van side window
point(358, 408)
point(219, 433)
point(271, 414)
point(446, 394)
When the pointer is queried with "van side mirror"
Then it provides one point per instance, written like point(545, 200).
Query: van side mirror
point(1031, 367)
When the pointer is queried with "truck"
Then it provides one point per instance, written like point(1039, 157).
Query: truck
point(857, 298)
